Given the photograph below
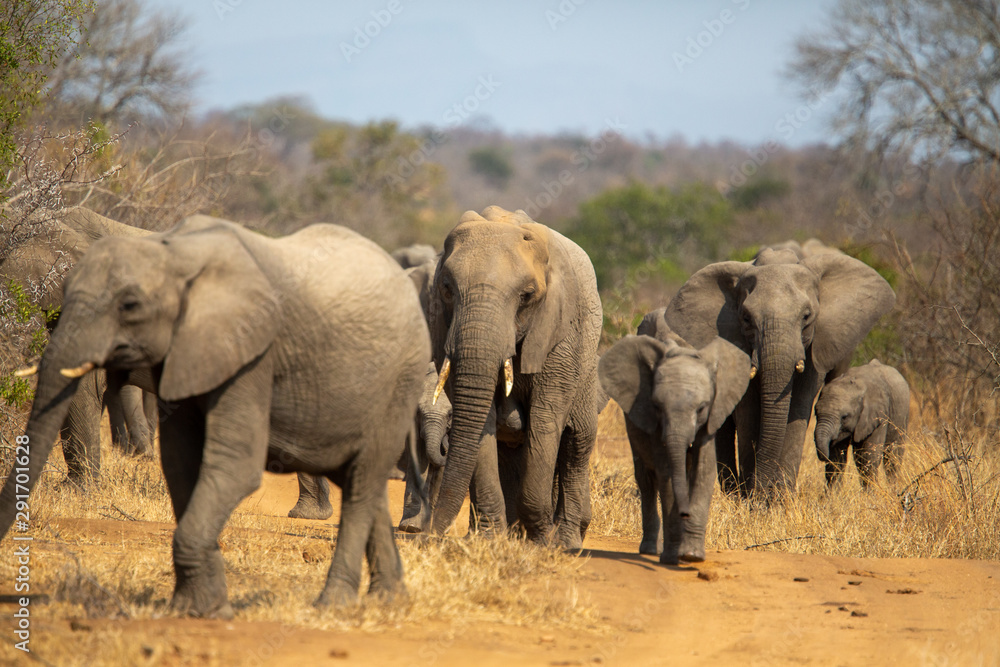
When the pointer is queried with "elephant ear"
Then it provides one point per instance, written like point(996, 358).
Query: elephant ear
point(229, 316)
point(732, 375)
point(437, 318)
point(627, 371)
point(708, 305)
point(868, 421)
point(852, 297)
point(549, 322)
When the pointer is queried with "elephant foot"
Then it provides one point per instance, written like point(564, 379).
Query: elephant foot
point(693, 557)
point(669, 557)
point(310, 509)
point(79, 483)
point(649, 547)
point(201, 592)
point(396, 473)
point(571, 539)
point(692, 549)
point(388, 592)
point(337, 594)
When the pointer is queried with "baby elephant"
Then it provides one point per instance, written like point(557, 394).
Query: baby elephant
point(675, 398)
point(868, 406)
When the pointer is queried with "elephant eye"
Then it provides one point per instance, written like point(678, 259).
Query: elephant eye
point(527, 295)
point(446, 293)
point(129, 305)
point(806, 316)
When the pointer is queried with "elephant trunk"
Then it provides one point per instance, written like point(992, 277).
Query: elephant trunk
point(826, 427)
point(677, 448)
point(777, 374)
point(475, 364)
point(434, 432)
point(48, 412)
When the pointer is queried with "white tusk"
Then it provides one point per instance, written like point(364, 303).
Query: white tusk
point(445, 369)
point(26, 372)
point(800, 366)
point(79, 371)
point(753, 372)
point(508, 377)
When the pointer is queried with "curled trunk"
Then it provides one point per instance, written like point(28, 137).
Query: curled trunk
point(435, 439)
point(825, 430)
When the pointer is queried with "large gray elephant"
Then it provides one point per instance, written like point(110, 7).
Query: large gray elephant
point(515, 328)
point(675, 398)
point(271, 353)
point(40, 264)
point(867, 407)
point(798, 321)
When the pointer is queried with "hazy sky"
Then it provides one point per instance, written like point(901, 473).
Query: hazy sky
point(707, 70)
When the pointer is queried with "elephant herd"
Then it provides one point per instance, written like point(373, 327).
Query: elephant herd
point(318, 353)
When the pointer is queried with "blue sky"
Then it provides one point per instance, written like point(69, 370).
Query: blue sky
point(706, 70)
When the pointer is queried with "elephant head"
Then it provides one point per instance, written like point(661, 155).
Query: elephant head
point(159, 302)
point(794, 318)
point(500, 308)
point(675, 393)
point(433, 420)
point(848, 408)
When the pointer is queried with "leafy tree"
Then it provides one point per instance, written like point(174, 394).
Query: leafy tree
point(492, 164)
point(34, 35)
point(655, 229)
point(915, 75)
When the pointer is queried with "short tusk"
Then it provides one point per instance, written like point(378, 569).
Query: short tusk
point(508, 377)
point(753, 372)
point(801, 366)
point(445, 369)
point(26, 372)
point(79, 371)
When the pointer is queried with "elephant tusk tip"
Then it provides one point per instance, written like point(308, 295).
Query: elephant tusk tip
point(508, 377)
point(79, 371)
point(26, 372)
point(753, 372)
point(445, 370)
point(800, 366)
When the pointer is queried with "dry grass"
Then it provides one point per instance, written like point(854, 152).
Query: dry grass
point(952, 511)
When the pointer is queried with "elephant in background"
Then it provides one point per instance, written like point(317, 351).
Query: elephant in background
point(515, 324)
point(798, 321)
point(40, 265)
point(802, 250)
point(675, 398)
point(414, 255)
point(868, 407)
point(272, 355)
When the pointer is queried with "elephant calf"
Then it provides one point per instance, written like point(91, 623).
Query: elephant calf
point(867, 407)
point(675, 398)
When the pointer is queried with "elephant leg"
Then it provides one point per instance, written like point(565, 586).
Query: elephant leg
point(892, 453)
point(139, 433)
point(538, 468)
point(573, 464)
point(488, 511)
point(509, 464)
point(673, 528)
point(747, 418)
point(838, 461)
point(645, 480)
point(384, 564)
point(805, 387)
point(151, 408)
point(233, 452)
point(314, 498)
point(725, 451)
point(868, 456)
point(701, 480)
point(416, 514)
point(81, 433)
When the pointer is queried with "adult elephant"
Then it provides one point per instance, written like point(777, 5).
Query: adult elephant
point(798, 321)
point(40, 264)
point(515, 328)
point(272, 354)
